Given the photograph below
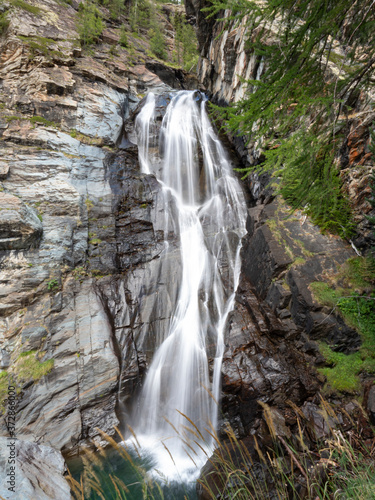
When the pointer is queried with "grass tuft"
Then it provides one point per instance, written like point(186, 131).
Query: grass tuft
point(21, 4)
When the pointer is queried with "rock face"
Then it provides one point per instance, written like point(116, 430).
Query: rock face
point(81, 236)
point(38, 472)
point(79, 227)
point(271, 347)
point(225, 62)
point(19, 224)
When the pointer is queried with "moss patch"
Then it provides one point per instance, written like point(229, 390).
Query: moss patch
point(43, 46)
point(358, 310)
point(4, 383)
point(42, 121)
point(21, 4)
point(28, 367)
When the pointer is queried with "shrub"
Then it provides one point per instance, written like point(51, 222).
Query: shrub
point(4, 22)
point(52, 284)
point(157, 43)
point(21, 4)
point(124, 42)
point(90, 23)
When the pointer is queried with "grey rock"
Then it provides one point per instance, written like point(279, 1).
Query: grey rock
point(371, 404)
point(32, 337)
point(77, 396)
point(38, 472)
point(320, 423)
point(4, 170)
point(4, 359)
point(19, 224)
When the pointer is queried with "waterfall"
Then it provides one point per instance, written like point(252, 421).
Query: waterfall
point(177, 408)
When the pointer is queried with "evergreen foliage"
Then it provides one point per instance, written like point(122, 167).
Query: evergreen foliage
point(90, 23)
point(123, 41)
point(140, 15)
point(115, 7)
point(299, 105)
point(185, 43)
point(157, 42)
point(4, 22)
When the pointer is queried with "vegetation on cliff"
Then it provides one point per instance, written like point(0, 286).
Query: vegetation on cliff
point(317, 57)
point(352, 296)
point(323, 462)
point(141, 19)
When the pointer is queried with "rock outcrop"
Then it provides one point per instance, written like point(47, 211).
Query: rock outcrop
point(80, 236)
point(78, 224)
point(38, 471)
point(272, 348)
point(226, 62)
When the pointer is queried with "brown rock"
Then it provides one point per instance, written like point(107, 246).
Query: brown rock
point(4, 170)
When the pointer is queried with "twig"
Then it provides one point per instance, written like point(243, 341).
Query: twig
point(293, 457)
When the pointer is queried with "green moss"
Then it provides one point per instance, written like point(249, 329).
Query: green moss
point(299, 261)
point(359, 271)
point(85, 139)
point(4, 22)
point(21, 4)
point(324, 294)
point(79, 273)
point(342, 375)
point(43, 121)
point(95, 241)
point(97, 273)
point(12, 118)
point(301, 244)
point(4, 383)
point(358, 311)
point(89, 204)
point(28, 367)
point(42, 45)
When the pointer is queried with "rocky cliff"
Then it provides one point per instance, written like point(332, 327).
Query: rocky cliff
point(80, 236)
point(78, 223)
point(284, 258)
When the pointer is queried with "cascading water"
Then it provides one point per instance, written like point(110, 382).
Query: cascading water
point(177, 407)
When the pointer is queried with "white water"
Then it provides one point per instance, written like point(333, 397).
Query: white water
point(194, 172)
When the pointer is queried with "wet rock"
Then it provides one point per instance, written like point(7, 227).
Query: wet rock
point(4, 359)
point(281, 257)
point(278, 423)
point(38, 472)
point(320, 423)
point(260, 362)
point(371, 404)
point(172, 77)
point(263, 258)
point(19, 224)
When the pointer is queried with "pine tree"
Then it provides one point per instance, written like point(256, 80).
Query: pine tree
point(296, 107)
point(157, 43)
point(90, 24)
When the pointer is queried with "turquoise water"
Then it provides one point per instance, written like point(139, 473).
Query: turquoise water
point(135, 474)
